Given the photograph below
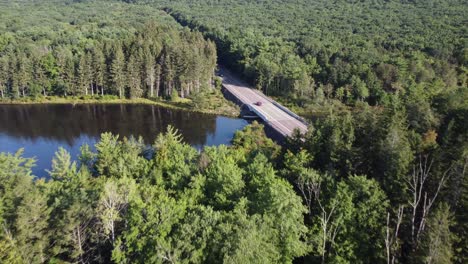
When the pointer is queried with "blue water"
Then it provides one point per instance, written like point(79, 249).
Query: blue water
point(41, 129)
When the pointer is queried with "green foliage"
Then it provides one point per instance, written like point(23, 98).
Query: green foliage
point(20, 240)
point(253, 139)
point(174, 96)
point(171, 204)
point(15, 183)
point(224, 183)
point(213, 101)
point(218, 81)
point(350, 50)
point(8, 252)
point(272, 197)
point(128, 203)
point(153, 213)
point(367, 226)
point(131, 203)
point(120, 158)
point(114, 199)
point(347, 217)
point(63, 168)
point(32, 236)
point(174, 159)
point(395, 156)
point(389, 146)
point(140, 53)
point(437, 242)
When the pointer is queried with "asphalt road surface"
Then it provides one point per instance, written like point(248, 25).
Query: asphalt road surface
point(276, 117)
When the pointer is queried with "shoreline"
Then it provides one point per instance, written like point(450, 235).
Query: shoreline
point(183, 106)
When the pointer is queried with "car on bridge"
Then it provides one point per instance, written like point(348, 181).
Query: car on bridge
point(259, 103)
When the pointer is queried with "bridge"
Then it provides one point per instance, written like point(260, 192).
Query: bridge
point(282, 120)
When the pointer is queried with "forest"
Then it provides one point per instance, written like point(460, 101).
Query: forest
point(380, 177)
point(346, 196)
point(77, 53)
point(349, 51)
point(164, 203)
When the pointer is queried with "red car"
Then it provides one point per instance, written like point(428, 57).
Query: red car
point(258, 103)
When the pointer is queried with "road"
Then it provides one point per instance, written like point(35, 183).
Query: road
point(270, 111)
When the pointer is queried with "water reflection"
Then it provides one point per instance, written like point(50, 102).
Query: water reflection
point(41, 129)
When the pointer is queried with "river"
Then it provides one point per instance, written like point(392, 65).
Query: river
point(42, 128)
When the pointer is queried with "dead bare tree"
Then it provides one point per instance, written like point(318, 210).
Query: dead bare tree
point(422, 201)
point(309, 184)
point(391, 240)
point(80, 235)
point(329, 230)
point(113, 202)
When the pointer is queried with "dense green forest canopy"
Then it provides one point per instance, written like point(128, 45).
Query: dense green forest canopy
point(347, 50)
point(99, 48)
point(383, 182)
point(251, 202)
point(131, 203)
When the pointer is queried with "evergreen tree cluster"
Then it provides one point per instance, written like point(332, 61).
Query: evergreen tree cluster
point(153, 60)
point(126, 202)
point(419, 162)
point(252, 202)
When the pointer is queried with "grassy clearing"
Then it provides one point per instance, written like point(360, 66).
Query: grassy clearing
point(213, 101)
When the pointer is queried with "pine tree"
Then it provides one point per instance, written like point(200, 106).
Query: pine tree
point(438, 239)
point(89, 71)
point(83, 74)
point(150, 72)
point(70, 76)
point(134, 79)
point(13, 76)
point(66, 74)
point(99, 69)
point(168, 72)
point(3, 76)
point(23, 74)
point(32, 225)
point(41, 80)
point(157, 79)
point(117, 70)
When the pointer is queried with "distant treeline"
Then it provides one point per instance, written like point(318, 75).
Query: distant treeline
point(155, 61)
point(100, 47)
point(344, 50)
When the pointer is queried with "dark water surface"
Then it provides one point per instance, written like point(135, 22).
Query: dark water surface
point(41, 129)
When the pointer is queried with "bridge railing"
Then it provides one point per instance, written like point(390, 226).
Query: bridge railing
point(262, 116)
point(280, 106)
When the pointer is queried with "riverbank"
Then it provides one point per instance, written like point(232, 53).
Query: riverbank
point(207, 103)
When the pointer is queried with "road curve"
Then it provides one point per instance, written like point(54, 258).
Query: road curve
point(279, 119)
